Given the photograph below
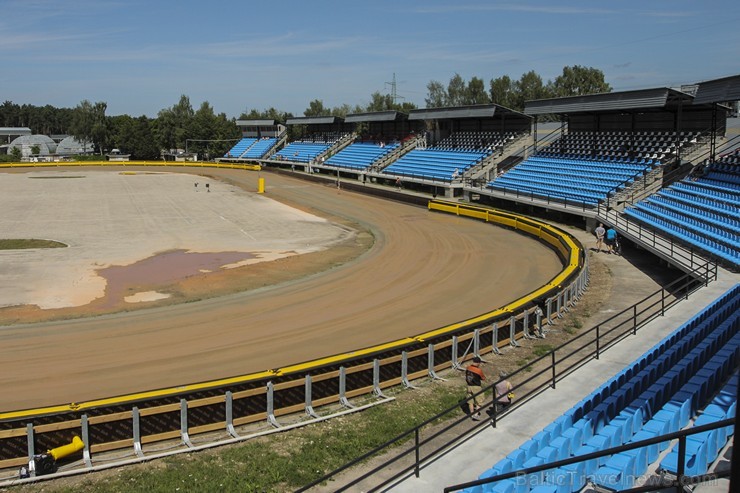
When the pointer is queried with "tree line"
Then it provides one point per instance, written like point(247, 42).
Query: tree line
point(211, 135)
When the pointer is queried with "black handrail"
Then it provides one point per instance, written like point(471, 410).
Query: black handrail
point(680, 435)
point(682, 287)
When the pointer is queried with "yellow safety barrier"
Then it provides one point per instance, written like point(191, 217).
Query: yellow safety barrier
point(563, 243)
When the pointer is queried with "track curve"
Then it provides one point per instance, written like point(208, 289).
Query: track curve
point(424, 271)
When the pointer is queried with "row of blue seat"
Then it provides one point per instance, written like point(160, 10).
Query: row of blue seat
point(592, 171)
point(584, 181)
point(551, 190)
point(699, 200)
point(610, 414)
point(596, 163)
point(260, 148)
point(240, 147)
point(703, 448)
point(716, 233)
point(302, 152)
point(698, 241)
point(359, 155)
point(720, 220)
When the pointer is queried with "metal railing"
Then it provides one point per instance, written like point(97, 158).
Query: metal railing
point(542, 373)
point(678, 483)
point(686, 258)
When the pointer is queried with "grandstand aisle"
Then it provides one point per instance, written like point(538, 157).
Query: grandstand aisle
point(467, 460)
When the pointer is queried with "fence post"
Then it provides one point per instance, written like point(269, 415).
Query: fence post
point(525, 324)
point(229, 403)
point(430, 363)
point(271, 405)
point(405, 370)
point(30, 446)
point(455, 363)
point(476, 342)
point(308, 397)
point(135, 422)
point(184, 423)
point(662, 302)
point(86, 441)
point(376, 379)
point(598, 342)
point(512, 332)
point(343, 388)
point(494, 339)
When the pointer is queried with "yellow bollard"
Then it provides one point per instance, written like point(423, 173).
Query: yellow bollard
point(260, 185)
point(68, 449)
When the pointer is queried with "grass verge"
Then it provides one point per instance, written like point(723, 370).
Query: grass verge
point(22, 244)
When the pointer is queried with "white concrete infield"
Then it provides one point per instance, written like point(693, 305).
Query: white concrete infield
point(112, 218)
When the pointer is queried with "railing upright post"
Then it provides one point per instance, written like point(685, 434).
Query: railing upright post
point(598, 342)
point(554, 373)
point(662, 302)
point(681, 466)
point(416, 451)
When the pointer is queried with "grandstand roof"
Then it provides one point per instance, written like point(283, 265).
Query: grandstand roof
point(376, 116)
point(313, 120)
point(643, 99)
point(15, 131)
point(718, 90)
point(473, 111)
point(256, 123)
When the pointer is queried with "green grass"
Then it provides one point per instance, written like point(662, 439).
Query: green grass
point(21, 244)
point(541, 349)
point(280, 462)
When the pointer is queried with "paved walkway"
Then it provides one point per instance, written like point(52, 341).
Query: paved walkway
point(468, 460)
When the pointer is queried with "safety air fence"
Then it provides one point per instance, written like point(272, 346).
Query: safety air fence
point(142, 425)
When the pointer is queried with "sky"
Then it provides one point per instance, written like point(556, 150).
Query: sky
point(139, 57)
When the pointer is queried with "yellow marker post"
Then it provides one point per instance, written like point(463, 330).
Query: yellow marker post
point(260, 185)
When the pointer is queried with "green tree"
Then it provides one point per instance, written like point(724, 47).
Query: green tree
point(456, 91)
point(173, 125)
point(476, 92)
point(315, 108)
point(16, 154)
point(436, 95)
point(577, 81)
point(528, 88)
point(503, 91)
point(89, 124)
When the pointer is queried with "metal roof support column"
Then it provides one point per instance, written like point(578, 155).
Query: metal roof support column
point(534, 125)
point(679, 121)
point(713, 134)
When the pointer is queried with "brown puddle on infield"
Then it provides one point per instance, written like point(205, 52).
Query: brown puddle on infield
point(162, 269)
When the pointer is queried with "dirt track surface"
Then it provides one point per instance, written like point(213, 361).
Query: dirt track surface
point(423, 270)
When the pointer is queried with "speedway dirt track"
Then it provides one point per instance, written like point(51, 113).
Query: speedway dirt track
point(424, 270)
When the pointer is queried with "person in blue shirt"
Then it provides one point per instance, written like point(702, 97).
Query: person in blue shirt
point(611, 238)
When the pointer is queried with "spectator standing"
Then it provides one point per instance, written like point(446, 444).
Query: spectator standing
point(474, 377)
point(599, 232)
point(611, 238)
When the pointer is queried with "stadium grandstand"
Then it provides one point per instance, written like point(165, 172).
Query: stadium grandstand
point(661, 167)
